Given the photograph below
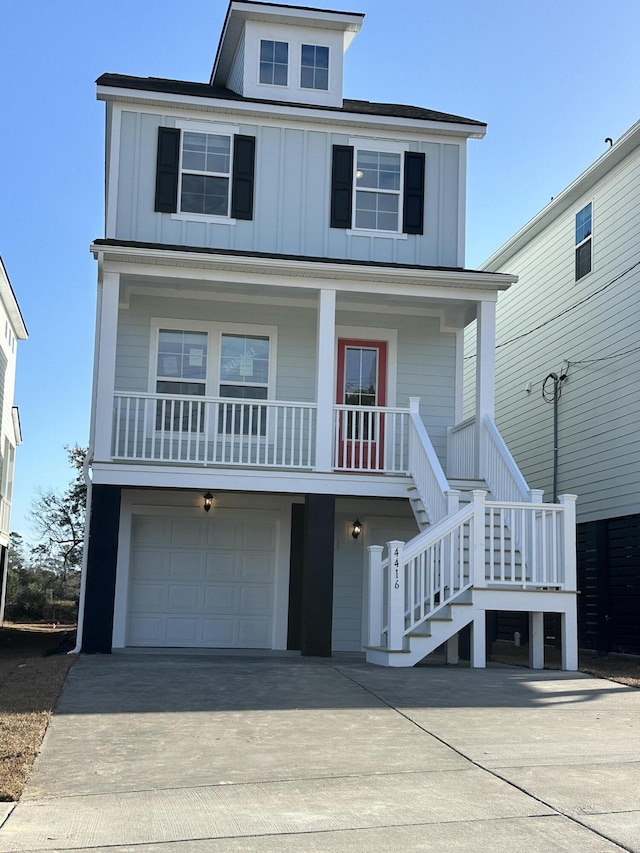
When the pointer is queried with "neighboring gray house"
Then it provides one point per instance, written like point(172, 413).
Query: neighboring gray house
point(12, 330)
point(575, 313)
point(279, 349)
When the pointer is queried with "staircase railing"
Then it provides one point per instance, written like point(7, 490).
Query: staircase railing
point(461, 450)
point(425, 468)
point(472, 548)
point(498, 467)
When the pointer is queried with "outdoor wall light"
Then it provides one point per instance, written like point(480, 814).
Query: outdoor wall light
point(208, 501)
point(357, 529)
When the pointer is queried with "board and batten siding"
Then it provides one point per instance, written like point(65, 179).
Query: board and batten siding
point(599, 410)
point(425, 355)
point(292, 193)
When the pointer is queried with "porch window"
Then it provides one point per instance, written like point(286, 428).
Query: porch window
point(244, 375)
point(181, 370)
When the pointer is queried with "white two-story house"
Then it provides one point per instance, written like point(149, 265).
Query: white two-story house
point(568, 384)
point(278, 377)
point(12, 330)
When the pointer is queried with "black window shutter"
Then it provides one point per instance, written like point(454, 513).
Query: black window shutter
point(413, 205)
point(167, 170)
point(244, 156)
point(341, 186)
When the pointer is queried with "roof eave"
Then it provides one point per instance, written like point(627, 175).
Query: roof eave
point(568, 197)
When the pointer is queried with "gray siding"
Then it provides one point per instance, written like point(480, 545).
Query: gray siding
point(236, 75)
point(291, 198)
point(600, 404)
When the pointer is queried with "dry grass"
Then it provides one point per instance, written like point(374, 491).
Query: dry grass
point(622, 668)
point(31, 677)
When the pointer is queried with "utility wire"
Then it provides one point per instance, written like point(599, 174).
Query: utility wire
point(565, 311)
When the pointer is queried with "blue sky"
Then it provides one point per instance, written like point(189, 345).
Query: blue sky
point(552, 79)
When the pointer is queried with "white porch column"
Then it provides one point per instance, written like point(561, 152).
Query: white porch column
point(569, 630)
point(374, 634)
point(536, 640)
point(325, 383)
point(395, 596)
point(479, 640)
point(485, 373)
point(105, 354)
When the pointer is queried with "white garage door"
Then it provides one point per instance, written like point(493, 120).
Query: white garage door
point(202, 582)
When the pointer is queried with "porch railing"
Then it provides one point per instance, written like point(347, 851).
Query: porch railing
point(371, 438)
point(5, 515)
point(425, 469)
point(213, 431)
point(461, 450)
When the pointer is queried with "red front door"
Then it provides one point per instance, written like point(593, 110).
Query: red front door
point(361, 385)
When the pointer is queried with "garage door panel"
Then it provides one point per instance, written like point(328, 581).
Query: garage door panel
point(221, 566)
point(257, 568)
point(151, 531)
point(258, 535)
point(208, 582)
point(186, 565)
point(221, 599)
point(255, 600)
point(146, 631)
point(148, 597)
point(184, 631)
point(184, 597)
point(254, 634)
point(151, 563)
point(223, 534)
point(220, 632)
point(187, 532)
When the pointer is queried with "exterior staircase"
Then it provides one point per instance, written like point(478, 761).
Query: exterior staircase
point(485, 543)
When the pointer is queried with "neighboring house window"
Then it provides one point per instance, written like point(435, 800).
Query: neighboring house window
point(377, 190)
point(206, 169)
point(244, 375)
point(181, 370)
point(274, 62)
point(583, 241)
point(314, 67)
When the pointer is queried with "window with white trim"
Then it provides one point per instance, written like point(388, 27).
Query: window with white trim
point(244, 375)
point(274, 62)
point(377, 187)
point(205, 172)
point(583, 241)
point(314, 67)
point(181, 369)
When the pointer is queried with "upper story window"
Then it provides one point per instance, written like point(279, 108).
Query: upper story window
point(205, 174)
point(314, 67)
point(274, 62)
point(377, 190)
point(205, 170)
point(583, 241)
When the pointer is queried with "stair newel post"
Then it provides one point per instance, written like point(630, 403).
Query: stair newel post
point(453, 501)
point(375, 594)
point(569, 541)
point(478, 527)
point(395, 593)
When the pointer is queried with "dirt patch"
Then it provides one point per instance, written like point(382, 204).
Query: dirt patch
point(624, 669)
point(33, 667)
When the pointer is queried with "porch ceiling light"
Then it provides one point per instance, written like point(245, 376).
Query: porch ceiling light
point(357, 529)
point(208, 501)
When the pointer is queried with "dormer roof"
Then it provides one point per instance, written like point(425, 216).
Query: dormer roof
point(240, 11)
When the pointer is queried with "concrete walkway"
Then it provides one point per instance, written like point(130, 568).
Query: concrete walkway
point(160, 754)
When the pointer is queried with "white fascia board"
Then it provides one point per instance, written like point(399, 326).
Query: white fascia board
point(17, 430)
point(293, 112)
point(568, 197)
point(11, 304)
point(244, 480)
point(304, 274)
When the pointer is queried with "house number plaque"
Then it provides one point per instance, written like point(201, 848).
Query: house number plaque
point(396, 565)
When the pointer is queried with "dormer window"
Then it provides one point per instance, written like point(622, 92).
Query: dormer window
point(314, 67)
point(274, 62)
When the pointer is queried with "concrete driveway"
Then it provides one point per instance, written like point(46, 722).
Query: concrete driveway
point(160, 753)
